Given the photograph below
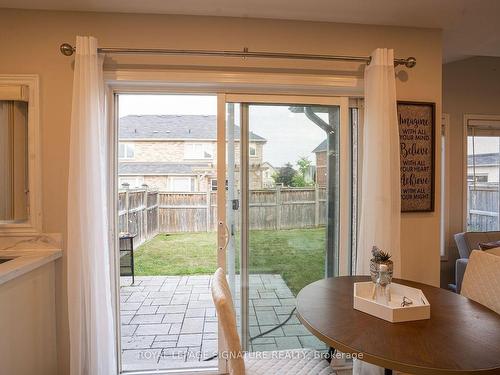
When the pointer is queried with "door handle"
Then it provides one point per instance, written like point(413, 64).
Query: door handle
point(235, 204)
point(226, 236)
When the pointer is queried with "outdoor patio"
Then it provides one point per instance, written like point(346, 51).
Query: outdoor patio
point(170, 321)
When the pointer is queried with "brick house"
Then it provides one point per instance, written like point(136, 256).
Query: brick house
point(177, 152)
point(321, 163)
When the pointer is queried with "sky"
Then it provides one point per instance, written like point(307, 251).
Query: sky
point(483, 145)
point(289, 135)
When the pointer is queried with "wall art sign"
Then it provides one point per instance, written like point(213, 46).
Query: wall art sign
point(417, 137)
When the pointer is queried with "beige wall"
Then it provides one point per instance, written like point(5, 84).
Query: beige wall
point(470, 86)
point(29, 43)
point(156, 181)
point(28, 323)
point(165, 152)
point(489, 171)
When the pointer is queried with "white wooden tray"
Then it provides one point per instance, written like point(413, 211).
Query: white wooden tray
point(393, 311)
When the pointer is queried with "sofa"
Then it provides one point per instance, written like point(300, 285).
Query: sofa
point(466, 242)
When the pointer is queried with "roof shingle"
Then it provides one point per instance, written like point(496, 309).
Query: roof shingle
point(144, 168)
point(321, 147)
point(483, 159)
point(173, 127)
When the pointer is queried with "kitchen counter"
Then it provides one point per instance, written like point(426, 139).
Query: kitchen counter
point(28, 344)
point(24, 261)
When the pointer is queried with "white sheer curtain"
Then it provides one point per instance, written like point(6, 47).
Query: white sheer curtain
point(91, 322)
point(380, 181)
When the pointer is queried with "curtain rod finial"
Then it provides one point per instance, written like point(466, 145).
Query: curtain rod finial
point(411, 62)
point(66, 49)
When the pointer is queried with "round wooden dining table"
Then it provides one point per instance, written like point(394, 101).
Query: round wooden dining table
point(461, 336)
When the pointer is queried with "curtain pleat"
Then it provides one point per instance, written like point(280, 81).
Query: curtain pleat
point(381, 190)
point(381, 187)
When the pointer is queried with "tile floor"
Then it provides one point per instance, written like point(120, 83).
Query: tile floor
point(170, 321)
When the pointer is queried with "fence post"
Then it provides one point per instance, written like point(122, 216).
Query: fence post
point(157, 211)
point(145, 213)
point(126, 186)
point(278, 207)
point(316, 205)
point(209, 207)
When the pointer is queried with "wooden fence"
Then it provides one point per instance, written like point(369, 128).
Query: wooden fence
point(287, 208)
point(188, 212)
point(138, 213)
point(171, 212)
point(482, 207)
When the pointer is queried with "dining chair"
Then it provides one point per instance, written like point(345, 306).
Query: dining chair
point(482, 279)
point(293, 362)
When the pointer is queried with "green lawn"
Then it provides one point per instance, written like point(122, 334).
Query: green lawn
point(296, 254)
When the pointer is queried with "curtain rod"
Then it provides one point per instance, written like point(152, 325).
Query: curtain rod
point(68, 50)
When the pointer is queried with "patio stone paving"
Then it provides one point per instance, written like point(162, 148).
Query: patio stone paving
point(170, 321)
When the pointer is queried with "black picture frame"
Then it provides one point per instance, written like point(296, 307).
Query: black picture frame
point(416, 204)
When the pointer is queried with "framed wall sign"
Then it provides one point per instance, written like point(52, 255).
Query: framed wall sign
point(417, 139)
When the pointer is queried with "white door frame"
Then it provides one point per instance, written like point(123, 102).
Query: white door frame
point(223, 85)
point(471, 120)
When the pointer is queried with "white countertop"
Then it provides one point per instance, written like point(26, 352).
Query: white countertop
point(28, 255)
point(24, 261)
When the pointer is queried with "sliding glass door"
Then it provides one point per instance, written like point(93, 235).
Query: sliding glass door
point(258, 185)
point(287, 214)
point(166, 222)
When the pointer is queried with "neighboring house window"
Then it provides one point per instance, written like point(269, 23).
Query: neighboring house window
point(198, 151)
point(213, 184)
point(479, 178)
point(182, 184)
point(126, 150)
point(253, 150)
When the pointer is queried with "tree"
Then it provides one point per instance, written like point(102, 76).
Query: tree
point(298, 180)
point(304, 164)
point(288, 176)
point(285, 175)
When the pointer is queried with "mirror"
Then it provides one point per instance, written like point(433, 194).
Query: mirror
point(14, 184)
